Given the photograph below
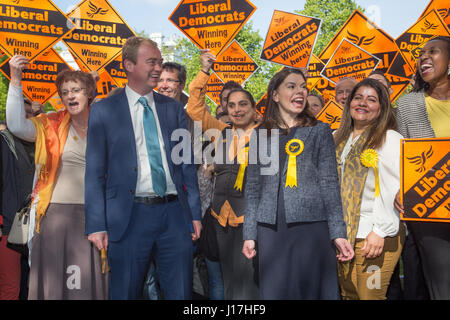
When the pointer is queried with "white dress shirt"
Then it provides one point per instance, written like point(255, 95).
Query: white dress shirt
point(144, 186)
point(378, 214)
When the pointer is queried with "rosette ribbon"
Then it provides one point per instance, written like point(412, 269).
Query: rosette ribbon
point(293, 148)
point(242, 158)
point(369, 159)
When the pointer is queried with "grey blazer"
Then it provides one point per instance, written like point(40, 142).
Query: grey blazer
point(317, 196)
point(412, 116)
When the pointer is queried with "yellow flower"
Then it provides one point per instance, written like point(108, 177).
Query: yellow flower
point(369, 158)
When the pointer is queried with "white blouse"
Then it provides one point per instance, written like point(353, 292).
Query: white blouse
point(378, 214)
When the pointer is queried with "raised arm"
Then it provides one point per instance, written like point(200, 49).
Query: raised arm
point(196, 106)
point(16, 119)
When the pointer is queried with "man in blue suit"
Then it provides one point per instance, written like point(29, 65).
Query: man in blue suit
point(139, 202)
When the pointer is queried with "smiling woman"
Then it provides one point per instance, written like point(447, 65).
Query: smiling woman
point(368, 157)
point(425, 113)
point(297, 224)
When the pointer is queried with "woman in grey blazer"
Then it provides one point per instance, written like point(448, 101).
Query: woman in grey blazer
point(425, 113)
point(295, 211)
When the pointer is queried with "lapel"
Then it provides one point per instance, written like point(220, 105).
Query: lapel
point(125, 130)
point(301, 133)
point(161, 110)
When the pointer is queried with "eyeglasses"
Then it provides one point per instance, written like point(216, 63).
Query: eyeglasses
point(65, 93)
point(170, 81)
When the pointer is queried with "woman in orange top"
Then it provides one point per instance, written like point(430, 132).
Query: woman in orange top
point(63, 264)
point(230, 162)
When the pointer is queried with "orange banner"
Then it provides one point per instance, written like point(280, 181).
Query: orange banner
point(425, 179)
point(211, 24)
point(213, 88)
point(101, 32)
point(56, 102)
point(104, 85)
point(315, 67)
point(398, 85)
point(367, 35)
point(115, 70)
point(349, 60)
point(430, 25)
point(261, 105)
point(234, 64)
point(331, 114)
point(30, 28)
point(326, 88)
point(442, 7)
point(290, 39)
point(38, 80)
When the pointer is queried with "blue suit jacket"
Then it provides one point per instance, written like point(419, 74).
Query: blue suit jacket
point(111, 164)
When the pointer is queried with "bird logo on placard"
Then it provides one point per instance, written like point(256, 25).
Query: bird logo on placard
point(95, 10)
point(17, 1)
point(332, 119)
point(346, 50)
point(279, 21)
point(429, 26)
point(359, 41)
point(421, 160)
point(444, 13)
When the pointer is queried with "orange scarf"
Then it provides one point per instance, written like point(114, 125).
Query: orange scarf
point(51, 135)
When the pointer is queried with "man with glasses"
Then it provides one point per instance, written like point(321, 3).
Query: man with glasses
point(172, 81)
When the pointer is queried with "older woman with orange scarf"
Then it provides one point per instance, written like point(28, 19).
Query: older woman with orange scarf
point(64, 265)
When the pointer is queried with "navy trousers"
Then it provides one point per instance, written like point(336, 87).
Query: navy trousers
point(160, 230)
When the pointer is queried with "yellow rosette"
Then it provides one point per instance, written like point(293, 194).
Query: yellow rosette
point(242, 158)
point(293, 148)
point(369, 159)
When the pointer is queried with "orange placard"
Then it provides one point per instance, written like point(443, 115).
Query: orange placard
point(211, 24)
point(430, 25)
point(234, 64)
point(1, 54)
point(399, 67)
point(261, 105)
point(100, 34)
point(425, 179)
point(104, 85)
point(331, 114)
point(442, 7)
point(79, 63)
point(38, 80)
point(367, 35)
point(30, 28)
point(398, 85)
point(290, 39)
point(349, 60)
point(56, 102)
point(213, 88)
point(115, 70)
point(326, 88)
point(315, 67)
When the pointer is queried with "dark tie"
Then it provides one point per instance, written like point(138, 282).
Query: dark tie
point(153, 149)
